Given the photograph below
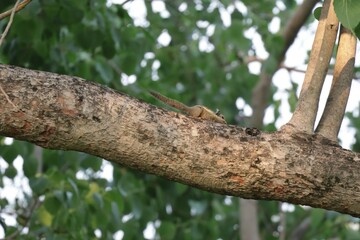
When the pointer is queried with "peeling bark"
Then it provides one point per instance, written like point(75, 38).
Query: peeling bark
point(68, 113)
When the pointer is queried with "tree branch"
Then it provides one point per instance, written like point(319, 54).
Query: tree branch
point(334, 111)
point(301, 229)
point(3, 35)
point(296, 22)
point(36, 203)
point(68, 113)
point(248, 220)
point(16, 8)
point(317, 68)
point(261, 93)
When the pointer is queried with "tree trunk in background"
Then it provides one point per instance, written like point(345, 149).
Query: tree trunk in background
point(248, 220)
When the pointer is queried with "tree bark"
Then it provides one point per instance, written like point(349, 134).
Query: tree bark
point(68, 113)
point(317, 68)
point(330, 121)
point(249, 229)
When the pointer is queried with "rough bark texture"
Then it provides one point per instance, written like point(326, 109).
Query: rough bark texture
point(62, 112)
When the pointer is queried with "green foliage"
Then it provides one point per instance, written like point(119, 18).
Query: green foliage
point(348, 13)
point(70, 195)
point(317, 12)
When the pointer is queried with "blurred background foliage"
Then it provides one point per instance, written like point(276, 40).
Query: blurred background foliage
point(192, 51)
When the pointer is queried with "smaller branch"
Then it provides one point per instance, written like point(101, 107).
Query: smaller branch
point(282, 224)
point(9, 23)
point(296, 22)
point(115, 67)
point(301, 229)
point(250, 59)
point(304, 116)
point(249, 228)
point(125, 2)
point(333, 115)
point(21, 6)
point(291, 69)
point(32, 208)
point(261, 92)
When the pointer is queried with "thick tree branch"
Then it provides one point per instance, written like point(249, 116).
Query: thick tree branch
point(317, 68)
point(334, 111)
point(68, 113)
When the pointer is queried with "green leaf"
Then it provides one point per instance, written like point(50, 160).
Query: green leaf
point(98, 200)
point(91, 162)
point(180, 188)
point(52, 204)
point(70, 14)
point(167, 230)
point(74, 186)
point(23, 148)
point(115, 212)
point(131, 229)
point(105, 70)
point(357, 33)
point(3, 202)
point(129, 63)
point(89, 38)
point(115, 197)
point(317, 13)
point(137, 207)
point(348, 12)
point(93, 188)
point(44, 216)
point(317, 217)
point(39, 185)
point(30, 166)
point(10, 172)
point(108, 47)
point(8, 153)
